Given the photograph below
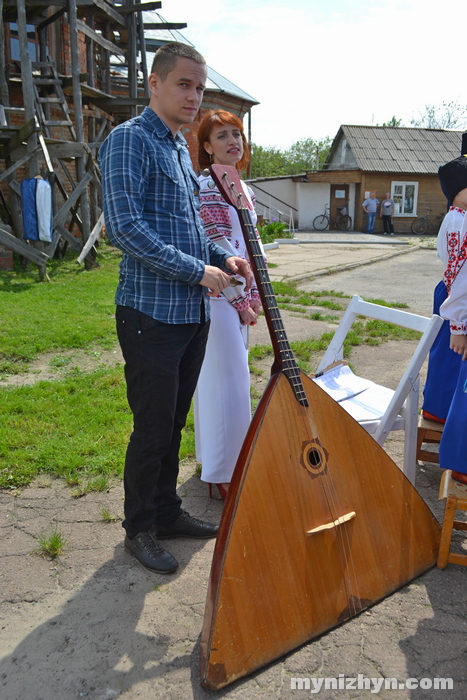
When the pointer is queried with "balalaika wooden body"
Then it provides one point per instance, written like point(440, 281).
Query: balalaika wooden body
point(319, 522)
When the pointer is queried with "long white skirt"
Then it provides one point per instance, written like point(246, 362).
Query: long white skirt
point(222, 399)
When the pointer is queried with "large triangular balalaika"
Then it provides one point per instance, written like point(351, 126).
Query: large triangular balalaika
point(319, 522)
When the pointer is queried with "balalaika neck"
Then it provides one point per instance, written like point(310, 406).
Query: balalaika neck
point(284, 360)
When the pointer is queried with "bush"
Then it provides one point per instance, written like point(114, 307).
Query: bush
point(270, 230)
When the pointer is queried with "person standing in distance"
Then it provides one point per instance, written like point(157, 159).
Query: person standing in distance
point(370, 207)
point(386, 213)
point(168, 269)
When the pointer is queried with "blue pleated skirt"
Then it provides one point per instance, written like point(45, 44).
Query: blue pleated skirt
point(443, 366)
point(452, 452)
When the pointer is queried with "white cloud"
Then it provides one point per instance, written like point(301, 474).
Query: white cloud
point(314, 65)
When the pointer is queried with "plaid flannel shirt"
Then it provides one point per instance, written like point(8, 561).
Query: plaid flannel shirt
point(151, 208)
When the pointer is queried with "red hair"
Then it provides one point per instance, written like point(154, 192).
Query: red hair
point(208, 122)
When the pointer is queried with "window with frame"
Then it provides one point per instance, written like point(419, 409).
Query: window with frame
point(405, 196)
point(12, 42)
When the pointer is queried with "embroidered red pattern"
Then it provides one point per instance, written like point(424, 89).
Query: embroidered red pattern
point(457, 255)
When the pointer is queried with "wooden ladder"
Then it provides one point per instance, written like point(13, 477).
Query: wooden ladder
point(48, 93)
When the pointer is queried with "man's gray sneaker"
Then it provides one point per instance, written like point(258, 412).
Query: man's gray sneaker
point(150, 553)
point(187, 526)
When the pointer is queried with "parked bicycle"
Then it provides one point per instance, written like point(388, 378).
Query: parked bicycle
point(343, 221)
point(421, 225)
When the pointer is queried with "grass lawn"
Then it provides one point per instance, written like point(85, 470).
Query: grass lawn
point(77, 428)
point(75, 310)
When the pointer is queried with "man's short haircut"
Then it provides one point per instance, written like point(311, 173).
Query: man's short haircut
point(166, 57)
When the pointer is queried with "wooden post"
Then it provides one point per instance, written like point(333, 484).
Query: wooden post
point(26, 78)
point(80, 162)
point(107, 81)
point(15, 204)
point(91, 120)
point(4, 97)
point(248, 170)
point(142, 48)
point(43, 58)
point(132, 62)
point(28, 99)
point(90, 53)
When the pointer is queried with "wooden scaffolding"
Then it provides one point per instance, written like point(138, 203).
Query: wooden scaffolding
point(68, 73)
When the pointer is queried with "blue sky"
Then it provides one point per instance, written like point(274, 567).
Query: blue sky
point(316, 64)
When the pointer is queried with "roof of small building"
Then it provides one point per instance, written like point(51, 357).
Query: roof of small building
point(216, 81)
point(398, 149)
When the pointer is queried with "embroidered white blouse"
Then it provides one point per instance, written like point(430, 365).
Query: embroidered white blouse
point(222, 225)
point(452, 249)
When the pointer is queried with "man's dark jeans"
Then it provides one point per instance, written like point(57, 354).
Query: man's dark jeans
point(162, 365)
point(387, 223)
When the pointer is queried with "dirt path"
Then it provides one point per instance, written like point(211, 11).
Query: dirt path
point(94, 624)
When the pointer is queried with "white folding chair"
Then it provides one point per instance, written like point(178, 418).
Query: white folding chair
point(401, 411)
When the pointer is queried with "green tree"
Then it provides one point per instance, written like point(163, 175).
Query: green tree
point(307, 154)
point(267, 161)
point(392, 122)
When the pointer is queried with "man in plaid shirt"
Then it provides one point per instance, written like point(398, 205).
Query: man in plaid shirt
point(168, 270)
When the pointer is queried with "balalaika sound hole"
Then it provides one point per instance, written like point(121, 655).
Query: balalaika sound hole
point(314, 457)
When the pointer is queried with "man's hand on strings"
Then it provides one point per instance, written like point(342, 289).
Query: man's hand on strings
point(215, 279)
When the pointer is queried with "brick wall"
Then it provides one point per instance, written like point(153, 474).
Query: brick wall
point(6, 258)
point(65, 50)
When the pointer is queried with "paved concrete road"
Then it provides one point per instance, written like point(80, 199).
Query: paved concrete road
point(408, 278)
point(302, 258)
point(394, 273)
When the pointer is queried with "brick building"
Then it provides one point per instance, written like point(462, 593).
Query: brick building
point(68, 74)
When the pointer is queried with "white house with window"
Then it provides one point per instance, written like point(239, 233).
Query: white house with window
point(363, 159)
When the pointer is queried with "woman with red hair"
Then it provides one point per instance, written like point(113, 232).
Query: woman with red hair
point(222, 399)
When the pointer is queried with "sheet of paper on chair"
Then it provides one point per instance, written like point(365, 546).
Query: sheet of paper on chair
point(341, 383)
point(370, 404)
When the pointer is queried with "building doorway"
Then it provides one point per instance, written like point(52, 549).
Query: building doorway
point(339, 198)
